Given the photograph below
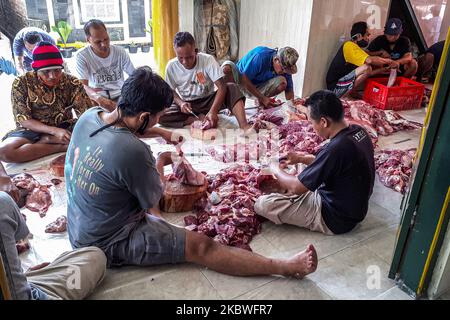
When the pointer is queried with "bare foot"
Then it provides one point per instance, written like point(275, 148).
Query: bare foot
point(302, 263)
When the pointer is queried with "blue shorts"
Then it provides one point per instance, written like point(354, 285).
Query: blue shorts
point(154, 241)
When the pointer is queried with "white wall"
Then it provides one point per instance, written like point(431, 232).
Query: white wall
point(445, 23)
point(277, 24)
point(186, 15)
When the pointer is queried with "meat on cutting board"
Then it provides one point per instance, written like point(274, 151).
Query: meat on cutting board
point(203, 130)
point(185, 173)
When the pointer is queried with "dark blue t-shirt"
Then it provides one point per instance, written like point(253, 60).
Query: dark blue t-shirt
point(436, 50)
point(401, 47)
point(258, 67)
point(343, 173)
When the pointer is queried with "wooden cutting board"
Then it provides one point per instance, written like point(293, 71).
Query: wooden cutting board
point(180, 197)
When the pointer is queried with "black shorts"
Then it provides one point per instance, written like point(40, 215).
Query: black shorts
point(30, 135)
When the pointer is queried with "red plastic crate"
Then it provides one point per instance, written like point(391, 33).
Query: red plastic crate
point(405, 94)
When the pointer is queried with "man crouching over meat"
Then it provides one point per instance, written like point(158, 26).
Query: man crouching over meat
point(47, 281)
point(46, 103)
point(332, 194)
point(113, 187)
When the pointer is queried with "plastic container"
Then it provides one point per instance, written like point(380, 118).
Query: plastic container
point(405, 94)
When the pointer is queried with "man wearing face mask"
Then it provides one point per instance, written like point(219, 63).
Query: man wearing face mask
point(264, 73)
point(352, 66)
point(45, 102)
point(396, 47)
point(101, 66)
point(112, 196)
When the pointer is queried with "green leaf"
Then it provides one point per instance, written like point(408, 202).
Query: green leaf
point(64, 30)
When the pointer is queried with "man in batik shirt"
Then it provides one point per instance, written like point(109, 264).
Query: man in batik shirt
point(46, 103)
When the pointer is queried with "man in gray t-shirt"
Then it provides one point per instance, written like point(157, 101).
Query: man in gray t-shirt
point(113, 186)
point(192, 77)
point(101, 66)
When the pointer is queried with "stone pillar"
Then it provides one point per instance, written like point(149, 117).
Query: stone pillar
point(15, 12)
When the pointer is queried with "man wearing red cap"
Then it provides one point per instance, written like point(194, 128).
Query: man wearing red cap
point(46, 103)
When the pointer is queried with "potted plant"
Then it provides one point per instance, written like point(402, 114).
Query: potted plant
point(146, 46)
point(133, 48)
point(64, 30)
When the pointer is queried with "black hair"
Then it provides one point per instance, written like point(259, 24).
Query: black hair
point(359, 27)
point(93, 23)
point(325, 104)
point(32, 37)
point(183, 38)
point(144, 91)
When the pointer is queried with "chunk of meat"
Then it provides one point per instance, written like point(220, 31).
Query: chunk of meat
point(25, 181)
point(57, 226)
point(185, 173)
point(22, 246)
point(394, 168)
point(39, 200)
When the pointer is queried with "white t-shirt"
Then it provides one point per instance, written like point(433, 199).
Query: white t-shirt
point(196, 83)
point(104, 73)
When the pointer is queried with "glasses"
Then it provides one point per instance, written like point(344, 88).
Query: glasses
point(46, 73)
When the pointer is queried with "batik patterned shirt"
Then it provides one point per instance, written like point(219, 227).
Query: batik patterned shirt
point(32, 99)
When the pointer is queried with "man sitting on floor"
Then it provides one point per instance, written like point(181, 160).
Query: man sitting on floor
point(101, 66)
point(112, 195)
point(71, 276)
point(396, 47)
point(332, 194)
point(44, 103)
point(192, 76)
point(264, 73)
point(352, 66)
point(429, 62)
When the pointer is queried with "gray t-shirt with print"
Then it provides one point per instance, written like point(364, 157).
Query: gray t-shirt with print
point(111, 179)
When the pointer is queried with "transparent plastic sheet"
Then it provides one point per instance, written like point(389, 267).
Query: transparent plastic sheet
point(216, 28)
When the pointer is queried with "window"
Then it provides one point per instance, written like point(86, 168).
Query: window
point(105, 10)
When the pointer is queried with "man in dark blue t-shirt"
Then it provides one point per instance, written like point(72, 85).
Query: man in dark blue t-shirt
point(264, 73)
point(430, 60)
point(394, 46)
point(332, 194)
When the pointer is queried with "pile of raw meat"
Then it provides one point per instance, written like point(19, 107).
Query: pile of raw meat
point(299, 136)
point(240, 152)
point(228, 215)
point(376, 121)
point(296, 136)
point(394, 168)
point(38, 197)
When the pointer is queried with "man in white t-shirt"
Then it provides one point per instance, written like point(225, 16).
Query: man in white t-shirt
point(192, 76)
point(101, 66)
